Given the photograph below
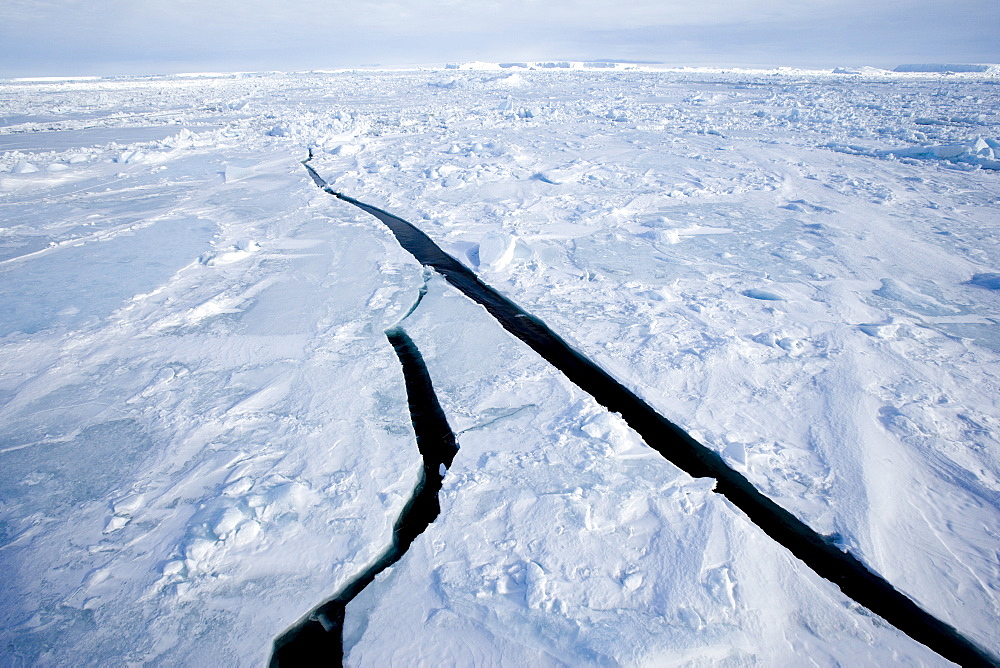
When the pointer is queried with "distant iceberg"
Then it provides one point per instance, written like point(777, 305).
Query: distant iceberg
point(933, 67)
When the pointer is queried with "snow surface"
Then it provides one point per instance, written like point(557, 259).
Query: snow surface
point(205, 432)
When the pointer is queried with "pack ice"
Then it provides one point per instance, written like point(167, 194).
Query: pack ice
point(204, 431)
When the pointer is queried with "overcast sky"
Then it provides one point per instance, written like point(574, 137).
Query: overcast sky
point(78, 37)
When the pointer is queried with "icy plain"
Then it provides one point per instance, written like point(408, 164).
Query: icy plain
point(204, 431)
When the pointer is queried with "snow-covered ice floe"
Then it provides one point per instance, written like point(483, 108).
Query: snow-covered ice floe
point(979, 152)
point(205, 432)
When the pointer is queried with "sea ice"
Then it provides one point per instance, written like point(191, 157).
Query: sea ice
point(205, 432)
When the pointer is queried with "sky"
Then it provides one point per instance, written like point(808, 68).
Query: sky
point(108, 37)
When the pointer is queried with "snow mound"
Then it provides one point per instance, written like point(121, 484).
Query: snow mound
point(130, 157)
point(513, 80)
point(187, 139)
point(25, 167)
point(496, 250)
point(979, 151)
point(235, 253)
point(570, 173)
point(509, 109)
point(445, 84)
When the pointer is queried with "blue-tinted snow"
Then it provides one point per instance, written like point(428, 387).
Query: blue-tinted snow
point(244, 422)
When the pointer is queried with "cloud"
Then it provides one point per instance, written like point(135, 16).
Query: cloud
point(408, 16)
point(84, 36)
point(883, 36)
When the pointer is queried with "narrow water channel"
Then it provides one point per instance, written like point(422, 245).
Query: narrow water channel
point(830, 562)
point(318, 638)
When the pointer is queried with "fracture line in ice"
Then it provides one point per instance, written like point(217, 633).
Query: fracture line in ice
point(320, 633)
point(843, 569)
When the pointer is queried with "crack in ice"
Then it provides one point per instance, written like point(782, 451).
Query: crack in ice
point(318, 637)
point(818, 552)
point(421, 293)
